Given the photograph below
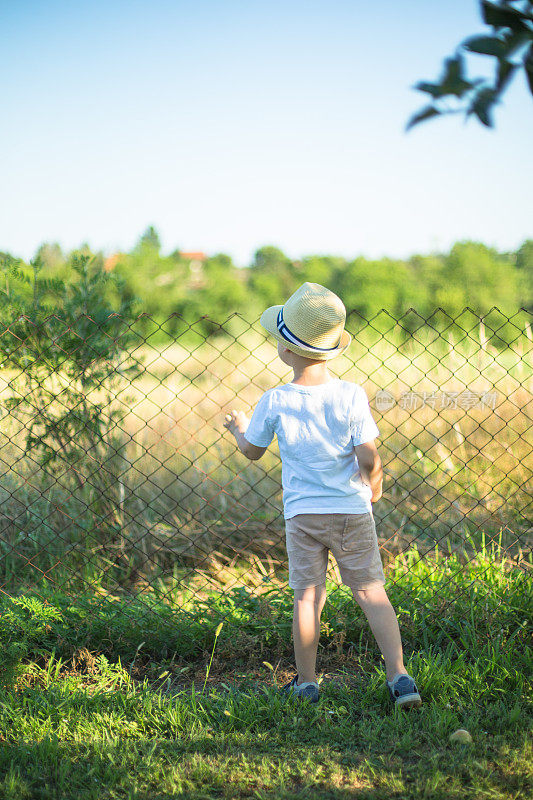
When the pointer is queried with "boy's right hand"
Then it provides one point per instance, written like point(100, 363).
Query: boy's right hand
point(236, 422)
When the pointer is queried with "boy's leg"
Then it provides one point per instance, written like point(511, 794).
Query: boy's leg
point(308, 605)
point(384, 625)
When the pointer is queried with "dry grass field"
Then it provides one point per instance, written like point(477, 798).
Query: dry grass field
point(457, 457)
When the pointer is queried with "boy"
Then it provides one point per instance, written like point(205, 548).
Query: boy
point(321, 423)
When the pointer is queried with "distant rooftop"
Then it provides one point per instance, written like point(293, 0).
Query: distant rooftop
point(111, 261)
point(194, 256)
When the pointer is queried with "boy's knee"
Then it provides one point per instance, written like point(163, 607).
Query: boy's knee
point(313, 594)
point(376, 594)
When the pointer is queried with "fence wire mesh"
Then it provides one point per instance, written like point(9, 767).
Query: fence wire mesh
point(120, 484)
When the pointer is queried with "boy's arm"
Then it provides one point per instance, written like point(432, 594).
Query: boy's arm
point(370, 468)
point(237, 422)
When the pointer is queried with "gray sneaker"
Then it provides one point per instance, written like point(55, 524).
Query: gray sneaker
point(404, 692)
point(305, 691)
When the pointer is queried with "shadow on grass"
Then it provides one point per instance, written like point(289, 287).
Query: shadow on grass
point(202, 767)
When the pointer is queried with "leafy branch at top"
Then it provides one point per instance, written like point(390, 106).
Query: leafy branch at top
point(510, 44)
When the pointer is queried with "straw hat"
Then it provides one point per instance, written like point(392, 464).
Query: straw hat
point(310, 324)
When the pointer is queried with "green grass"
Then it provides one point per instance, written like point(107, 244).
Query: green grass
point(103, 700)
point(106, 738)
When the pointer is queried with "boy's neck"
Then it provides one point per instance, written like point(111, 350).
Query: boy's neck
point(311, 375)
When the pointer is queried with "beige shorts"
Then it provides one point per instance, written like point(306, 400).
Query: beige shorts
point(351, 538)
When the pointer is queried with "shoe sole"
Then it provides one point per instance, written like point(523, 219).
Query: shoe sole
point(409, 701)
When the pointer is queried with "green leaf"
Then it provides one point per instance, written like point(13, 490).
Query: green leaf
point(482, 106)
point(515, 41)
point(528, 66)
point(420, 116)
point(485, 45)
point(504, 16)
point(453, 70)
point(506, 71)
point(453, 81)
point(434, 89)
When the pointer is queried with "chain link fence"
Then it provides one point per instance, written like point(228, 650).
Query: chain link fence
point(120, 484)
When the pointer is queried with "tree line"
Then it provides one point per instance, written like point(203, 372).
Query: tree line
point(207, 290)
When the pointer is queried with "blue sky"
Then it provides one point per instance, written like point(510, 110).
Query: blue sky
point(231, 125)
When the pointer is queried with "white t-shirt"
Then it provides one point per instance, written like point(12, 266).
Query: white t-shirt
point(317, 428)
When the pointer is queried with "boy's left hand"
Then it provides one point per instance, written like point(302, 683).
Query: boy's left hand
point(236, 422)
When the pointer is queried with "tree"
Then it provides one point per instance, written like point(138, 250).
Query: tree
point(70, 365)
point(321, 269)
point(150, 238)
point(221, 294)
point(367, 287)
point(272, 277)
point(480, 278)
point(509, 43)
point(50, 255)
point(524, 265)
